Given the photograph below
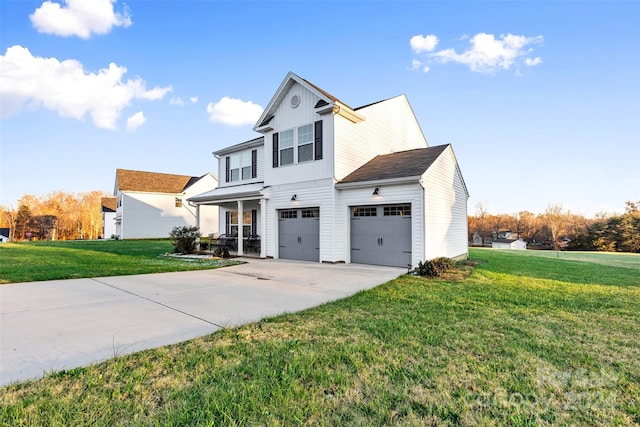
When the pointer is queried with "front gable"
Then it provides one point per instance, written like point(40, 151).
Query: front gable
point(296, 101)
point(298, 132)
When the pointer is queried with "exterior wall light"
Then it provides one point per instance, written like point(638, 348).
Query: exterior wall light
point(294, 197)
point(376, 192)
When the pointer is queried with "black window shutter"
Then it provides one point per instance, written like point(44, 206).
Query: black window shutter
point(254, 163)
point(227, 168)
point(227, 221)
point(318, 140)
point(254, 221)
point(275, 150)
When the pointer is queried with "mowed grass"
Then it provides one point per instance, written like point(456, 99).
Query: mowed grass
point(26, 262)
point(524, 340)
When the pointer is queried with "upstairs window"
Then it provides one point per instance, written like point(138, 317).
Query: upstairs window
point(235, 168)
point(286, 147)
point(241, 166)
point(245, 163)
point(305, 143)
point(298, 145)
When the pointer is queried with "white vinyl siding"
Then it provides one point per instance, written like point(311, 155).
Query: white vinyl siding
point(446, 209)
point(389, 126)
point(287, 118)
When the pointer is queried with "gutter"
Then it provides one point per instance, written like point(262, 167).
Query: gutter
point(379, 182)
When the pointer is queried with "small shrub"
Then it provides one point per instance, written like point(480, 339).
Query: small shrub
point(184, 239)
point(435, 267)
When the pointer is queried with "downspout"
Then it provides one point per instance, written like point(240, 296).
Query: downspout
point(424, 220)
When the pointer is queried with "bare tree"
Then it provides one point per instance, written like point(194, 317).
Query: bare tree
point(556, 220)
point(481, 221)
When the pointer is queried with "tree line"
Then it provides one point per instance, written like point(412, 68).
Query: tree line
point(558, 229)
point(68, 216)
point(56, 216)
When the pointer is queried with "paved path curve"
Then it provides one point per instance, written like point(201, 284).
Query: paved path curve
point(63, 324)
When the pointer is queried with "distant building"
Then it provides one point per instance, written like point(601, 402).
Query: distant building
point(509, 244)
point(151, 204)
point(108, 209)
point(5, 233)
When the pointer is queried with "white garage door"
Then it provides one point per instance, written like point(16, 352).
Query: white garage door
point(299, 234)
point(381, 235)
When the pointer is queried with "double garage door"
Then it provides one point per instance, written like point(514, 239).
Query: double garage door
point(299, 234)
point(381, 235)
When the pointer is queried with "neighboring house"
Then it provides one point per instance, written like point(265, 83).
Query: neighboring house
point(329, 183)
point(108, 210)
point(5, 233)
point(509, 244)
point(150, 204)
point(477, 240)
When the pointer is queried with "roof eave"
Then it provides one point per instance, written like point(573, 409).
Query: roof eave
point(378, 182)
point(277, 98)
point(257, 142)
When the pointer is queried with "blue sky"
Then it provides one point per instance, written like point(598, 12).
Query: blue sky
point(540, 100)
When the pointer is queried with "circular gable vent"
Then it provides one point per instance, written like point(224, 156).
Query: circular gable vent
point(295, 101)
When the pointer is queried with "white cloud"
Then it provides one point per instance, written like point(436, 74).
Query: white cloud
point(80, 18)
point(135, 121)
point(426, 69)
point(193, 99)
point(155, 93)
point(234, 112)
point(532, 61)
point(415, 64)
point(176, 101)
point(30, 82)
point(422, 43)
point(488, 54)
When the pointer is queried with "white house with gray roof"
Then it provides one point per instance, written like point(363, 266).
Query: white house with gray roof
point(326, 182)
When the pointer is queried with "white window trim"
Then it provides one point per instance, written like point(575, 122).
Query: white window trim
point(296, 145)
point(238, 159)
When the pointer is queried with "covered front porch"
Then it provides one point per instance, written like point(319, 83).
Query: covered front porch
point(242, 218)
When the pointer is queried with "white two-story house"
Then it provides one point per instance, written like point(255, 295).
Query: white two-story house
point(326, 182)
point(151, 204)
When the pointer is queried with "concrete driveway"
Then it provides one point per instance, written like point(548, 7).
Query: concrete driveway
point(62, 324)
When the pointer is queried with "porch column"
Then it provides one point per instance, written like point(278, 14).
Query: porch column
point(263, 228)
point(240, 229)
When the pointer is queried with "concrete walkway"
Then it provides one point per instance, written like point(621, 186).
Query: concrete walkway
point(62, 324)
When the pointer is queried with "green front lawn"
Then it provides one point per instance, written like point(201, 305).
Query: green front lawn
point(26, 262)
point(524, 340)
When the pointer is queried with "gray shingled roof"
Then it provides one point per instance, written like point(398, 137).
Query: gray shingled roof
point(402, 164)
